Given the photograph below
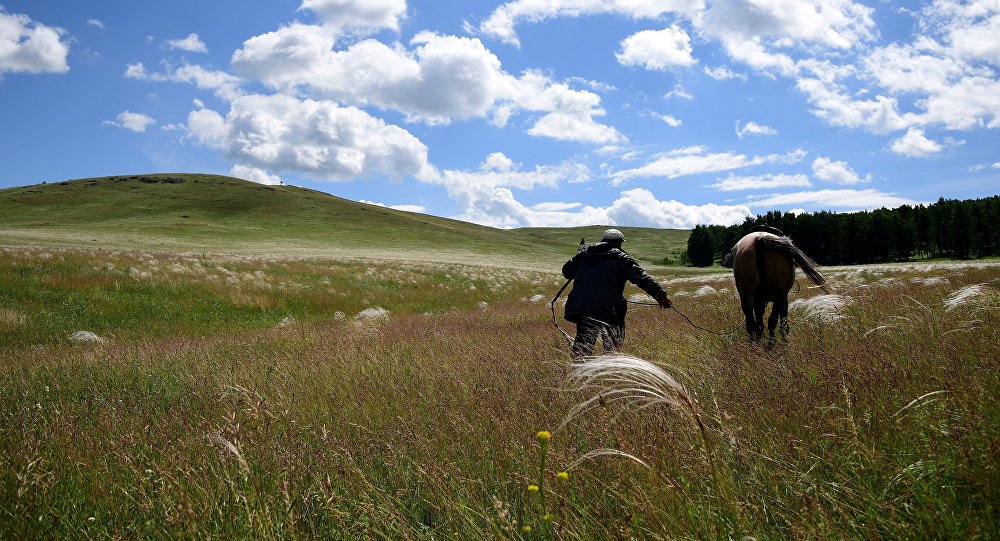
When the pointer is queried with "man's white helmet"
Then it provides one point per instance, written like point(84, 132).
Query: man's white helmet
point(613, 234)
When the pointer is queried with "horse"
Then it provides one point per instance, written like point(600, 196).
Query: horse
point(763, 264)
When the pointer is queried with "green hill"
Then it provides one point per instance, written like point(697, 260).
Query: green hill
point(190, 212)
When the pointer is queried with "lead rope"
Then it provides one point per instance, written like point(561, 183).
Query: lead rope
point(674, 308)
point(552, 305)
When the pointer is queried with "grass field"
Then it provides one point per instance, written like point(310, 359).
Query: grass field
point(241, 396)
point(212, 214)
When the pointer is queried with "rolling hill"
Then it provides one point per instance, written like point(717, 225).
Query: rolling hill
point(210, 213)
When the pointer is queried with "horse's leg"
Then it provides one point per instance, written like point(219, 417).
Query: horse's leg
point(772, 321)
point(782, 310)
point(751, 325)
point(758, 312)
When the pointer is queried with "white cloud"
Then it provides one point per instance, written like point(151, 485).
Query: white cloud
point(441, 79)
point(192, 44)
point(319, 138)
point(946, 74)
point(760, 182)
point(834, 104)
point(254, 174)
point(500, 24)
point(914, 144)
point(670, 121)
point(756, 32)
point(753, 128)
point(225, 85)
point(834, 199)
point(136, 122)
point(956, 94)
point(657, 50)
point(836, 172)
point(678, 92)
point(696, 160)
point(996, 165)
point(408, 208)
point(358, 16)
point(723, 73)
point(555, 206)
point(31, 47)
point(637, 207)
point(486, 193)
point(970, 28)
point(96, 23)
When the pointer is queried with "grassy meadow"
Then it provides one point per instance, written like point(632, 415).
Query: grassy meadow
point(210, 213)
point(267, 397)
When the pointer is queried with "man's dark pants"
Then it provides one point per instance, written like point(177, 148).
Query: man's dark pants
point(587, 331)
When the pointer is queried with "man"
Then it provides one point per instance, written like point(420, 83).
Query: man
point(596, 303)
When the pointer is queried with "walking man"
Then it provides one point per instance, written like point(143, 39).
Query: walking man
point(596, 304)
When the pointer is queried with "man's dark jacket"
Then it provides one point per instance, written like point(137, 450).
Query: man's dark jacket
point(599, 272)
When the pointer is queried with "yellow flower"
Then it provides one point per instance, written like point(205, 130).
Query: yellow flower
point(532, 488)
point(547, 517)
point(563, 475)
point(526, 529)
point(544, 435)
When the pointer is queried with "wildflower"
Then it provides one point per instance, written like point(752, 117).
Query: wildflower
point(532, 488)
point(563, 475)
point(544, 435)
point(526, 529)
point(548, 517)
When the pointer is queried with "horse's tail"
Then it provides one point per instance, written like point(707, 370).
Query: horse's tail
point(784, 245)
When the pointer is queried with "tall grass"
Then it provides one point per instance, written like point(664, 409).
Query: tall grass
point(881, 424)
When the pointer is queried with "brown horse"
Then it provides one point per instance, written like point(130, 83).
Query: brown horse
point(763, 265)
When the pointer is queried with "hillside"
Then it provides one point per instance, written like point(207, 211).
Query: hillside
point(190, 212)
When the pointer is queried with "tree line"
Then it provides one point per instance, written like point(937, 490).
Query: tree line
point(950, 228)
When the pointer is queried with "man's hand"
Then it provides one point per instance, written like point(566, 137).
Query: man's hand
point(665, 302)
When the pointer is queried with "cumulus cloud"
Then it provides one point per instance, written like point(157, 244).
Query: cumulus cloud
point(358, 16)
point(761, 33)
point(30, 47)
point(225, 85)
point(637, 207)
point(192, 44)
point(833, 102)
point(500, 24)
point(555, 206)
point(836, 172)
point(844, 199)
point(408, 208)
point(657, 50)
point(319, 138)
point(723, 73)
point(255, 174)
point(915, 144)
point(769, 181)
point(697, 160)
point(753, 128)
point(947, 72)
point(136, 122)
point(671, 121)
point(441, 79)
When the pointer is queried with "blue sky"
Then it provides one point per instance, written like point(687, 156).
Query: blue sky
point(649, 113)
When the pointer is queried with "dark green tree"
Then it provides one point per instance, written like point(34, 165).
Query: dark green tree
point(699, 247)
